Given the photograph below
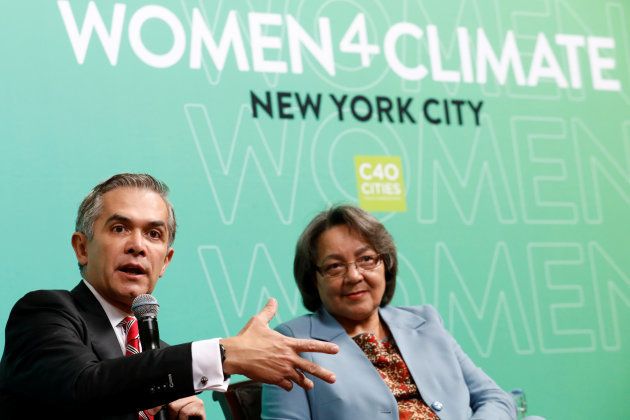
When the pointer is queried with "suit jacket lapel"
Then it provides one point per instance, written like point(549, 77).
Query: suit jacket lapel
point(102, 336)
point(325, 327)
point(350, 362)
point(409, 332)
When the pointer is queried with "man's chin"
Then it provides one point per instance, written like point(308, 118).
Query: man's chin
point(132, 292)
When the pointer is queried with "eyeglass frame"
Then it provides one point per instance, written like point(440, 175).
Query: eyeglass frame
point(380, 258)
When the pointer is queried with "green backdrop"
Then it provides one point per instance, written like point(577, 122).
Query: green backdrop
point(510, 123)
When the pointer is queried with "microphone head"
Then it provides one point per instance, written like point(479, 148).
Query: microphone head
point(145, 305)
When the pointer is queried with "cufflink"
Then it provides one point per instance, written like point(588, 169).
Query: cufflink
point(204, 380)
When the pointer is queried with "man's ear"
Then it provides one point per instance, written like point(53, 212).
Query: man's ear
point(79, 244)
point(167, 260)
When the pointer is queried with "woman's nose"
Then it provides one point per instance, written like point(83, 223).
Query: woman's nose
point(353, 273)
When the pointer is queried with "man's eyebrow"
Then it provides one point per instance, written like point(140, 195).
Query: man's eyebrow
point(124, 219)
point(117, 218)
point(156, 223)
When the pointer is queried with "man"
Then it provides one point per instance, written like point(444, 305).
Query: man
point(64, 350)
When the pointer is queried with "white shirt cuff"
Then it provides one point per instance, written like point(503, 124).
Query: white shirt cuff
point(206, 366)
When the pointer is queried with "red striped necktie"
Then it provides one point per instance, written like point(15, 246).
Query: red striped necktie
point(132, 346)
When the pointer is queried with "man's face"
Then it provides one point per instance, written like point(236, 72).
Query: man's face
point(129, 249)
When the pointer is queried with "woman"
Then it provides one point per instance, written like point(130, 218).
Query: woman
point(393, 363)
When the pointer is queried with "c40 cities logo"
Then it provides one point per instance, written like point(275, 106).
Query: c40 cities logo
point(380, 183)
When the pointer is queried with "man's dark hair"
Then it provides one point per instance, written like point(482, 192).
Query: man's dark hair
point(92, 204)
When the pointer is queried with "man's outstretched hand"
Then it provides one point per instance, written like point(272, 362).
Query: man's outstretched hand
point(265, 355)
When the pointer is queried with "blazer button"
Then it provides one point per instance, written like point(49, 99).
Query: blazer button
point(437, 406)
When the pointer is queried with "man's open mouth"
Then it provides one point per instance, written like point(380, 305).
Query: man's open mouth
point(132, 269)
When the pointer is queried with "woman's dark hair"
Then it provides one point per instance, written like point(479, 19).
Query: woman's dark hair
point(358, 220)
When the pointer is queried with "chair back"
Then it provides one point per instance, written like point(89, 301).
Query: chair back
point(241, 401)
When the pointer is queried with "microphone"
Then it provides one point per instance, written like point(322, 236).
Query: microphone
point(145, 308)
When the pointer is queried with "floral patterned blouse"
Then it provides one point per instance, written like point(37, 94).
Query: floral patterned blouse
point(388, 361)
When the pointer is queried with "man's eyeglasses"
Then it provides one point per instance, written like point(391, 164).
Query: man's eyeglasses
point(362, 264)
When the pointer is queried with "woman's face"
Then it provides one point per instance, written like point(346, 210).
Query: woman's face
point(356, 295)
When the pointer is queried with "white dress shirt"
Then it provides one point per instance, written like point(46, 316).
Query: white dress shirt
point(206, 356)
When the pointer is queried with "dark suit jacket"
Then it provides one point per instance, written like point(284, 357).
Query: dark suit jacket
point(62, 360)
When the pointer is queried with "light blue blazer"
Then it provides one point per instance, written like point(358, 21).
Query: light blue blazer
point(447, 379)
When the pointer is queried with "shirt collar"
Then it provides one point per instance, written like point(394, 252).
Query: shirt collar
point(114, 314)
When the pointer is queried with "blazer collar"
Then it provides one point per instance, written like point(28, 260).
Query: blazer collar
point(325, 327)
point(412, 338)
point(397, 318)
point(102, 336)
